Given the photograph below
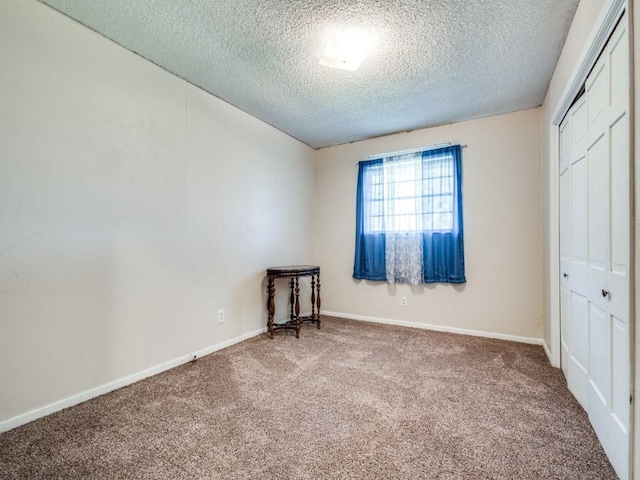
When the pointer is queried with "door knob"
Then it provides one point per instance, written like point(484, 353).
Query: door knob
point(605, 293)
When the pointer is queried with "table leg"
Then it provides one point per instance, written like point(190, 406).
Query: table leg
point(271, 306)
point(295, 288)
point(297, 308)
point(313, 297)
point(318, 299)
point(291, 300)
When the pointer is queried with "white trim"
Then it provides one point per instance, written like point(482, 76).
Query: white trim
point(547, 352)
point(604, 26)
point(122, 382)
point(437, 328)
point(553, 275)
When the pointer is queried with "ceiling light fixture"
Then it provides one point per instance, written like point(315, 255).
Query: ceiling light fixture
point(346, 49)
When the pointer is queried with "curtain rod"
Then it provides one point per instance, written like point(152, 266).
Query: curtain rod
point(413, 150)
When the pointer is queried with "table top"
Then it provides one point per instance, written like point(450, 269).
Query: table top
point(293, 270)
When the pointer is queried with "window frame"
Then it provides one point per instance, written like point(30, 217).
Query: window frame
point(379, 221)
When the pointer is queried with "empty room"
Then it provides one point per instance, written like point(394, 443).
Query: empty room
point(279, 239)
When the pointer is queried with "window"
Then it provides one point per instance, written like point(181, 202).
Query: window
point(409, 194)
point(409, 218)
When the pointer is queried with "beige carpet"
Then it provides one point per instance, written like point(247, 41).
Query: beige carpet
point(352, 400)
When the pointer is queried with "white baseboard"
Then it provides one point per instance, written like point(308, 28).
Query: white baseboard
point(547, 352)
point(438, 328)
point(122, 382)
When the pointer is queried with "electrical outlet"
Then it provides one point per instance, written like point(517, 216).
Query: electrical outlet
point(403, 301)
point(221, 315)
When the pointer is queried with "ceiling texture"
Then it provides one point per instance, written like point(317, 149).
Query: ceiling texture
point(433, 62)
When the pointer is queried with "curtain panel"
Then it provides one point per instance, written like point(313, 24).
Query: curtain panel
point(369, 261)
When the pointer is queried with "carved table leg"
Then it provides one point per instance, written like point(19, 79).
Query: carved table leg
point(318, 299)
point(271, 307)
point(297, 308)
point(291, 300)
point(313, 297)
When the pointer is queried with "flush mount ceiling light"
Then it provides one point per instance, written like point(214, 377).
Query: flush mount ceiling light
point(346, 48)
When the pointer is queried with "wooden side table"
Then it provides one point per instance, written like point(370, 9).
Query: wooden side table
point(295, 320)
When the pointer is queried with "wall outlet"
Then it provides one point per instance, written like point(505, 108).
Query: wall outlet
point(221, 315)
point(403, 301)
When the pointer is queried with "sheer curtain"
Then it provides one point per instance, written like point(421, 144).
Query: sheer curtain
point(403, 218)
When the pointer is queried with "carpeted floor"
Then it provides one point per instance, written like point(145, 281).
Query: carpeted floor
point(352, 400)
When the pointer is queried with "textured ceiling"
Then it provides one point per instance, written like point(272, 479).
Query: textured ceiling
point(435, 61)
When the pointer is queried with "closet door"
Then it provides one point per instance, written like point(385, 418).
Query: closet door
point(574, 251)
point(565, 244)
point(608, 270)
point(594, 249)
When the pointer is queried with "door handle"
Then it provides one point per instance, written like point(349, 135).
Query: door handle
point(605, 293)
point(565, 275)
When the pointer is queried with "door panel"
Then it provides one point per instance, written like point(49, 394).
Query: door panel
point(597, 99)
point(599, 366)
point(619, 433)
point(598, 219)
point(599, 374)
point(579, 130)
point(579, 348)
point(620, 391)
point(620, 196)
point(619, 71)
point(574, 252)
point(579, 226)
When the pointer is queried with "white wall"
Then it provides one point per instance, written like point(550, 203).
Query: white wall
point(132, 207)
point(503, 230)
point(583, 23)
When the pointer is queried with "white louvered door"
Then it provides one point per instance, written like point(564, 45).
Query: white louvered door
point(594, 249)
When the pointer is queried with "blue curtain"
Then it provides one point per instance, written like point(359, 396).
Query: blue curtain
point(443, 250)
point(370, 247)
